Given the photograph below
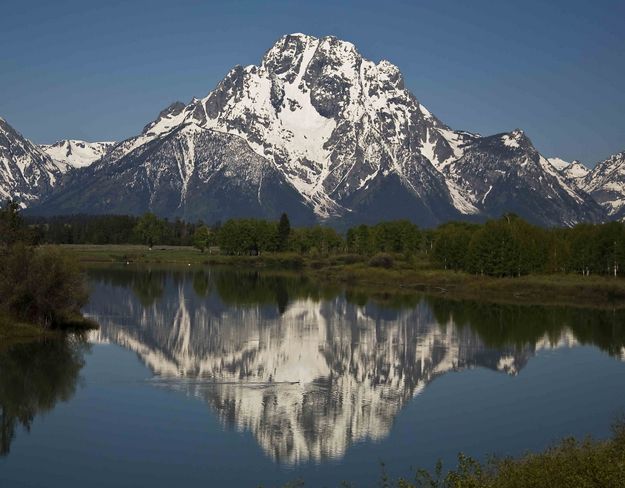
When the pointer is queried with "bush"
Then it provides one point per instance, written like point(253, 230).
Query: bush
point(568, 463)
point(382, 260)
point(41, 286)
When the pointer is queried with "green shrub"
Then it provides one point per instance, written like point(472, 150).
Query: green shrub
point(382, 260)
point(41, 285)
point(571, 463)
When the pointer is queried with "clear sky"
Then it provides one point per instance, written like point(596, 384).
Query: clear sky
point(101, 70)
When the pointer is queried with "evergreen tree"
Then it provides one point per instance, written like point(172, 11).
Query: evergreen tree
point(284, 231)
point(11, 223)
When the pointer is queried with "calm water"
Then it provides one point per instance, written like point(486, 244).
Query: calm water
point(216, 378)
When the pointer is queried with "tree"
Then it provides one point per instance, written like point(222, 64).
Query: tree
point(284, 230)
point(11, 223)
point(41, 286)
point(451, 245)
point(202, 238)
point(150, 229)
point(493, 249)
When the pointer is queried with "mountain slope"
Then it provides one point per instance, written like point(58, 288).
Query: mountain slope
point(575, 172)
point(505, 173)
point(606, 183)
point(70, 153)
point(342, 131)
point(192, 172)
point(26, 172)
point(338, 137)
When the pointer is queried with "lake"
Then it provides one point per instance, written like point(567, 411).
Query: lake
point(219, 377)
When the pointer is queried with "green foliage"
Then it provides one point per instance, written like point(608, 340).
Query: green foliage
point(107, 229)
point(512, 247)
point(12, 227)
point(505, 247)
point(202, 238)
point(247, 236)
point(151, 230)
point(400, 236)
point(40, 286)
point(316, 241)
point(284, 230)
point(450, 248)
point(585, 463)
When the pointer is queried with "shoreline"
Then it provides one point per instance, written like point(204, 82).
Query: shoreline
point(405, 276)
point(14, 331)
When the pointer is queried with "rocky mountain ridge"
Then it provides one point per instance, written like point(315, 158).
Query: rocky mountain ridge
point(321, 132)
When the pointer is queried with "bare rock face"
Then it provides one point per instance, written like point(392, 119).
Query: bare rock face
point(336, 138)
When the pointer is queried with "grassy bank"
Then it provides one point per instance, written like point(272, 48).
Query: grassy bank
point(570, 463)
point(403, 275)
point(42, 289)
point(12, 331)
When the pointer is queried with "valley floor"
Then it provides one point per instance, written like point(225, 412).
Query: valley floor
point(414, 275)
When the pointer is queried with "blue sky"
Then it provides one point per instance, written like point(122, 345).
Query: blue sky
point(101, 70)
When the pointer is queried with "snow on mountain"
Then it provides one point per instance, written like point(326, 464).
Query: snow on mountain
point(574, 172)
point(341, 131)
point(606, 183)
point(71, 153)
point(505, 173)
point(336, 136)
point(559, 164)
point(26, 172)
point(192, 172)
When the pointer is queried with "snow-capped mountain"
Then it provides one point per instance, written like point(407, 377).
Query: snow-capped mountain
point(505, 173)
point(558, 163)
point(70, 153)
point(26, 172)
point(323, 133)
point(575, 172)
point(606, 183)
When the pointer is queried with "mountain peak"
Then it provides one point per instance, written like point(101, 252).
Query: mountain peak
point(27, 173)
point(72, 153)
point(516, 139)
point(335, 135)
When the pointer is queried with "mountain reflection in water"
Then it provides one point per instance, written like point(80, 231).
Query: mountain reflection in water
point(308, 369)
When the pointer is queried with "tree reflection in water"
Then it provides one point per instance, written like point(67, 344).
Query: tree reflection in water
point(34, 377)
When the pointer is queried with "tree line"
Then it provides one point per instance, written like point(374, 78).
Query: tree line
point(111, 229)
point(508, 246)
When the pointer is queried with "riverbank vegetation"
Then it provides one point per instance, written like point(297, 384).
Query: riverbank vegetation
point(41, 288)
point(571, 462)
point(506, 247)
point(504, 259)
